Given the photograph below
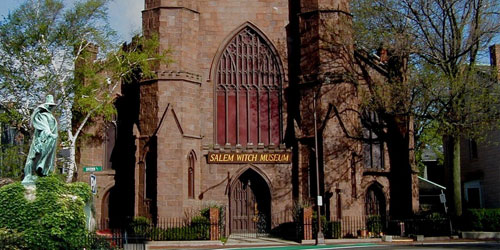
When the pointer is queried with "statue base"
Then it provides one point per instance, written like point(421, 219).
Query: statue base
point(29, 180)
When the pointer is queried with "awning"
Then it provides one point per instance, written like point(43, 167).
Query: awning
point(426, 185)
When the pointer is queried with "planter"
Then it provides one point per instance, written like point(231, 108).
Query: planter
point(363, 233)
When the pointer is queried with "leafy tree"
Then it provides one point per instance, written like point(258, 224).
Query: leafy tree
point(440, 42)
point(70, 52)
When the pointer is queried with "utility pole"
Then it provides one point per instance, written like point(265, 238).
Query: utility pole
point(320, 238)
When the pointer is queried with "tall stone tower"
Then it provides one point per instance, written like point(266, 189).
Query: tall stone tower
point(170, 107)
point(321, 53)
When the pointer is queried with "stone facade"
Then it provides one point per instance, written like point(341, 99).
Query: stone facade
point(165, 122)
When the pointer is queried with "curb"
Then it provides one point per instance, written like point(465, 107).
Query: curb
point(177, 244)
point(346, 241)
point(481, 235)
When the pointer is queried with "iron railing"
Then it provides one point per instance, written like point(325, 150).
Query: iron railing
point(377, 226)
point(169, 229)
point(115, 239)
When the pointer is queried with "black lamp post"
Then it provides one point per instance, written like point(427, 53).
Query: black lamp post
point(320, 238)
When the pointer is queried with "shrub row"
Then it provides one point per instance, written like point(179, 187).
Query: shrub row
point(482, 220)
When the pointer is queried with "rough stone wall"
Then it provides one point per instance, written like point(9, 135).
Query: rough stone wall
point(178, 136)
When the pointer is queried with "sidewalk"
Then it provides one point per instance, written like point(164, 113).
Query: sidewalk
point(237, 240)
point(244, 242)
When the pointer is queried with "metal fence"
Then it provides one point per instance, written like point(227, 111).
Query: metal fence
point(197, 228)
point(115, 239)
point(169, 229)
point(377, 226)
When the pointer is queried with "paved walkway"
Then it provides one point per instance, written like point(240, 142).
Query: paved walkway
point(309, 247)
point(252, 240)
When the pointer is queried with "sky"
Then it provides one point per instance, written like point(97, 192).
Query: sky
point(125, 19)
point(125, 15)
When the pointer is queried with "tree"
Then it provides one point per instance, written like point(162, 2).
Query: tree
point(442, 40)
point(70, 52)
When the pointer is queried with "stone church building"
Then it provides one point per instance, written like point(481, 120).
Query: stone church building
point(230, 121)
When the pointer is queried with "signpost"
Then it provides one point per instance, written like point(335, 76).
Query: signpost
point(93, 178)
point(93, 183)
point(92, 169)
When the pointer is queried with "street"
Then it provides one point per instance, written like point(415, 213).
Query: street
point(430, 246)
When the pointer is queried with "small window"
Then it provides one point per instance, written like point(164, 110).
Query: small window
point(109, 144)
point(191, 160)
point(473, 149)
point(353, 176)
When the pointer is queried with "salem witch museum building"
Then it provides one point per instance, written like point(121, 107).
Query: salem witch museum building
point(230, 120)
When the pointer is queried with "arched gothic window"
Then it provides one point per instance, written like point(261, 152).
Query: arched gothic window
point(191, 162)
point(249, 91)
point(373, 149)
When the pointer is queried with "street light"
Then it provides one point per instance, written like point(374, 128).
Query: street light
point(320, 238)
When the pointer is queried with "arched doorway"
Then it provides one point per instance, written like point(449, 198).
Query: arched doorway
point(250, 204)
point(375, 201)
point(104, 220)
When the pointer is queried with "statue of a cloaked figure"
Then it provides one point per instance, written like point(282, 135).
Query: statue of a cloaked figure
point(40, 161)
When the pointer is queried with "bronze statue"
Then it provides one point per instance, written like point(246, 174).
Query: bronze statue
point(40, 161)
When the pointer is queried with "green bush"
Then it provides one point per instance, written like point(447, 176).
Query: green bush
point(200, 221)
point(482, 220)
point(333, 229)
point(205, 212)
point(11, 240)
point(96, 242)
point(54, 220)
point(141, 227)
point(374, 224)
point(12, 160)
point(199, 232)
point(315, 223)
point(198, 229)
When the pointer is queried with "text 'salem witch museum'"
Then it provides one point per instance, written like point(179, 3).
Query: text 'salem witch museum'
point(230, 121)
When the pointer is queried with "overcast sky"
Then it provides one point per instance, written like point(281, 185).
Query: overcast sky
point(125, 15)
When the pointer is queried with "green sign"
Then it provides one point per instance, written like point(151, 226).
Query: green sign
point(92, 169)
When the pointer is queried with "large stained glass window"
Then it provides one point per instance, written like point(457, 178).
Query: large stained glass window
point(248, 92)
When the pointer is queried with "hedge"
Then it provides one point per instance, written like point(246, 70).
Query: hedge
point(482, 220)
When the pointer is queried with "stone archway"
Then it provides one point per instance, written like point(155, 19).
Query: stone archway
point(375, 203)
point(103, 223)
point(250, 204)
